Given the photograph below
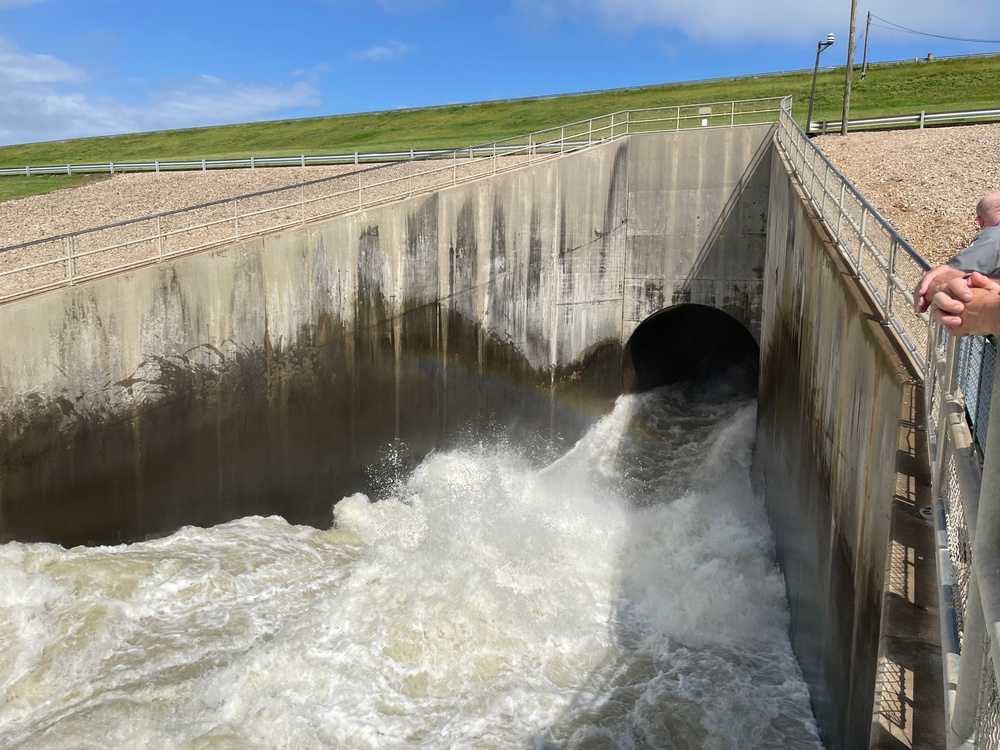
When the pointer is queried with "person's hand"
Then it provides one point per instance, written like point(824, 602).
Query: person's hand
point(968, 306)
point(933, 282)
point(949, 299)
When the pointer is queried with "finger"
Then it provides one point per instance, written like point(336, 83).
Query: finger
point(981, 281)
point(958, 288)
point(929, 282)
point(948, 320)
point(948, 304)
point(924, 284)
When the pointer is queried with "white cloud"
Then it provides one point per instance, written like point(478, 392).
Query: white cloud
point(212, 100)
point(17, 67)
point(314, 73)
point(765, 20)
point(44, 98)
point(383, 53)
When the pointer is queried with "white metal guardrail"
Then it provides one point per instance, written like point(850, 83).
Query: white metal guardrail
point(966, 493)
point(67, 259)
point(920, 119)
point(252, 162)
point(358, 158)
point(884, 262)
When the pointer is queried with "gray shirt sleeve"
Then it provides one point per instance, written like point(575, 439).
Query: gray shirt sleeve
point(982, 255)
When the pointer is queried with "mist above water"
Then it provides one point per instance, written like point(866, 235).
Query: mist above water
point(623, 596)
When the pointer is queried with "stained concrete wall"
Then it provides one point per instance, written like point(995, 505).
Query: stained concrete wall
point(843, 468)
point(266, 376)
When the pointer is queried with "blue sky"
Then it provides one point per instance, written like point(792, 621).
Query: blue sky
point(71, 68)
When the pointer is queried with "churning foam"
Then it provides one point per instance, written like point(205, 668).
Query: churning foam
point(624, 596)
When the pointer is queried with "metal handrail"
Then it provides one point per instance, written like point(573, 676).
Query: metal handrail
point(69, 258)
point(920, 119)
point(869, 242)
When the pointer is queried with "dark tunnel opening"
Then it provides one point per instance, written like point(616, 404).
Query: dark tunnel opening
point(695, 346)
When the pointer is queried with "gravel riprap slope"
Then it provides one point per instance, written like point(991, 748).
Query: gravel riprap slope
point(134, 195)
point(925, 182)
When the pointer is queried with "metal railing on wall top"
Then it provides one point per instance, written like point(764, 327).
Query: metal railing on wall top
point(67, 259)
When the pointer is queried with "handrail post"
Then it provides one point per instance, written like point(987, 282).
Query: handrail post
point(861, 238)
point(890, 286)
point(840, 212)
point(826, 176)
point(71, 264)
point(159, 239)
point(945, 394)
point(970, 669)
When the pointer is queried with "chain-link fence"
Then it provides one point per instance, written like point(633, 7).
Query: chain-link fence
point(977, 357)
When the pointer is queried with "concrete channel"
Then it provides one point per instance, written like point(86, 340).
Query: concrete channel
point(262, 377)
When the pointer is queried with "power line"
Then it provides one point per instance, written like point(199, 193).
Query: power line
point(897, 27)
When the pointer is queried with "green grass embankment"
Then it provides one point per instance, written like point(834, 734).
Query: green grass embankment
point(889, 89)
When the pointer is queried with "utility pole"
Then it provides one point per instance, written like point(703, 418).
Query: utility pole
point(864, 57)
point(850, 68)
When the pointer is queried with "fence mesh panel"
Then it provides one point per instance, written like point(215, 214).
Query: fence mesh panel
point(988, 715)
point(959, 542)
point(982, 420)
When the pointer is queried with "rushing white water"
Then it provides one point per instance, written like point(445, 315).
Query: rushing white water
point(623, 597)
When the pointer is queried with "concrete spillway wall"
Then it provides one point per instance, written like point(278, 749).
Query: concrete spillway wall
point(842, 459)
point(265, 377)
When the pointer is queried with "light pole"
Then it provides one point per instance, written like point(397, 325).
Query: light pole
point(812, 94)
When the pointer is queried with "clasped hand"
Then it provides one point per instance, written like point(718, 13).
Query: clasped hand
point(964, 303)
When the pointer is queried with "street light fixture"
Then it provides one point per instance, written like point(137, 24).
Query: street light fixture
point(820, 46)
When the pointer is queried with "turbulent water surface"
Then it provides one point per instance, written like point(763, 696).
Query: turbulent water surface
point(623, 596)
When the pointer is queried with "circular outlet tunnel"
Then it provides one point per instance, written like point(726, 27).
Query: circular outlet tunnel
point(692, 345)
